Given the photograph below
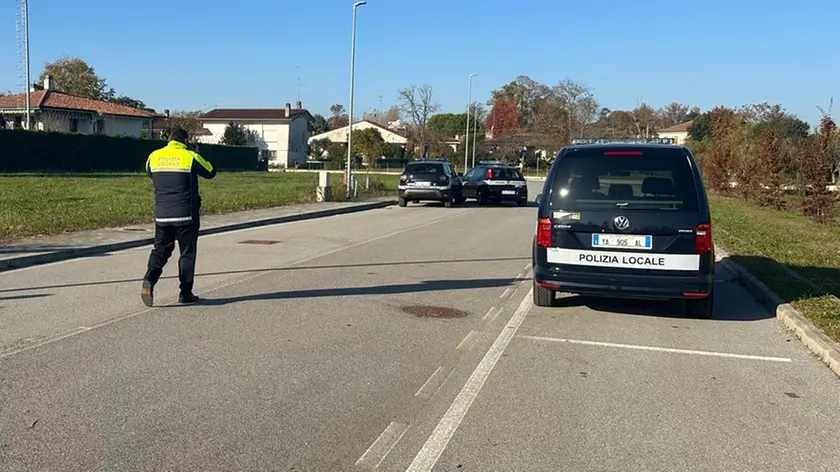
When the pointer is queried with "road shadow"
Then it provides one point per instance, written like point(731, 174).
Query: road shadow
point(396, 289)
point(271, 269)
point(25, 297)
point(792, 282)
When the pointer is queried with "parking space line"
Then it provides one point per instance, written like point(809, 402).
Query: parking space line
point(507, 292)
point(493, 311)
point(380, 448)
point(659, 349)
point(469, 341)
point(440, 437)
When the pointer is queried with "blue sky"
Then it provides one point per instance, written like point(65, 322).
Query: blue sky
point(198, 55)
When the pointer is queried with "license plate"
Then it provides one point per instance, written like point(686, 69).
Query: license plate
point(508, 192)
point(422, 184)
point(622, 241)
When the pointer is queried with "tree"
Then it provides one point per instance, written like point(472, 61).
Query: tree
point(816, 162)
point(504, 119)
point(645, 121)
point(369, 144)
point(337, 154)
point(580, 103)
point(129, 102)
point(319, 124)
point(525, 92)
point(339, 118)
point(236, 134)
point(417, 103)
point(75, 76)
point(674, 114)
point(701, 127)
point(319, 147)
point(186, 120)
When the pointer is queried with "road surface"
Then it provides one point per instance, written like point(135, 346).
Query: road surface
point(396, 339)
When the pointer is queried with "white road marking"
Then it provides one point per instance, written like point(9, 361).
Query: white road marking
point(469, 341)
point(493, 311)
point(380, 448)
point(660, 349)
point(507, 292)
point(426, 389)
point(437, 442)
point(126, 316)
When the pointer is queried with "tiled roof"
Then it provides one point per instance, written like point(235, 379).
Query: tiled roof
point(65, 101)
point(251, 114)
point(680, 128)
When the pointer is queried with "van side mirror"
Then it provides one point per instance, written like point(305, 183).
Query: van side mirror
point(538, 199)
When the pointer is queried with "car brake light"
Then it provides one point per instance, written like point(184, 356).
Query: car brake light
point(443, 177)
point(544, 232)
point(489, 173)
point(703, 239)
point(623, 153)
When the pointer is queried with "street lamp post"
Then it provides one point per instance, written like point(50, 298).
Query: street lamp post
point(25, 18)
point(352, 95)
point(467, 130)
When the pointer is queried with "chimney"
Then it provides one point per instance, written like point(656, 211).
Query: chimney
point(288, 110)
point(299, 105)
point(48, 83)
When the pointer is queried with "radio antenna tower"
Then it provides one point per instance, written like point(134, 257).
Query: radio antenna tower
point(299, 85)
point(22, 34)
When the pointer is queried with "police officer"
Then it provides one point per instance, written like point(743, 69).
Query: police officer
point(174, 170)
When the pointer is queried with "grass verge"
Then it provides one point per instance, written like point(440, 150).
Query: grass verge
point(795, 257)
point(36, 204)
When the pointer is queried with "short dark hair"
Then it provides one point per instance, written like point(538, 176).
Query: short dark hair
point(178, 134)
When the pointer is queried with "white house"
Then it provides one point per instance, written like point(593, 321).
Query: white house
point(53, 110)
point(678, 132)
point(339, 135)
point(283, 132)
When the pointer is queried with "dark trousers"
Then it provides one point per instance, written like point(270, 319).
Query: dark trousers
point(165, 237)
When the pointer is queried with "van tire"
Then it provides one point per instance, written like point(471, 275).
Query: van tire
point(543, 296)
point(702, 308)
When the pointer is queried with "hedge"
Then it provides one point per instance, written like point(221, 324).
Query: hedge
point(36, 151)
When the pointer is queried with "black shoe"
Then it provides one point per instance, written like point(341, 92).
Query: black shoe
point(188, 298)
point(147, 294)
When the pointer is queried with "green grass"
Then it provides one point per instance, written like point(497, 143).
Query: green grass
point(770, 244)
point(33, 204)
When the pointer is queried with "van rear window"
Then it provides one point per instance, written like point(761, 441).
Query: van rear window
point(637, 179)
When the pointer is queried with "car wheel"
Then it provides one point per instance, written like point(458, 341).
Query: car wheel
point(482, 197)
point(543, 296)
point(447, 203)
point(701, 308)
point(402, 202)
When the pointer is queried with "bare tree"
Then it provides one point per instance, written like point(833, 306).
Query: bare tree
point(416, 103)
point(673, 114)
point(580, 103)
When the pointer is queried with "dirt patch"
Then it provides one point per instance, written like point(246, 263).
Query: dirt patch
point(425, 311)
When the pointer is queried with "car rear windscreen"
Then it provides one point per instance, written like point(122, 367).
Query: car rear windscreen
point(505, 173)
point(424, 169)
point(637, 179)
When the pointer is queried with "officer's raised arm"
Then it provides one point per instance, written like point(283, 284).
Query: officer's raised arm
point(203, 167)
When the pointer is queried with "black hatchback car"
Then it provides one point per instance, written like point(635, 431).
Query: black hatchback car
point(495, 182)
point(625, 220)
point(430, 180)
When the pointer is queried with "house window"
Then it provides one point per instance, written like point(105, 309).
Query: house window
point(272, 155)
point(99, 127)
point(74, 125)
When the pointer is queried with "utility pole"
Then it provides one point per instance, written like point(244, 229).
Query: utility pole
point(352, 96)
point(467, 130)
point(25, 15)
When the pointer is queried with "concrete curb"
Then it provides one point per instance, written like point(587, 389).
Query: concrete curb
point(67, 254)
point(826, 349)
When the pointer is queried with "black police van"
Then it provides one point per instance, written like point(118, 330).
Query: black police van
point(625, 220)
point(495, 182)
point(430, 180)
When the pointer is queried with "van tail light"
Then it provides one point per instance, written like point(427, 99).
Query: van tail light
point(544, 232)
point(703, 239)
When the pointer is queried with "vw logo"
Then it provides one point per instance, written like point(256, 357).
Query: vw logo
point(621, 222)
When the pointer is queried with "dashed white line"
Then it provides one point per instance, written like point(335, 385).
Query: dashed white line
point(507, 292)
point(493, 311)
point(469, 341)
point(380, 448)
point(660, 349)
point(437, 442)
point(426, 389)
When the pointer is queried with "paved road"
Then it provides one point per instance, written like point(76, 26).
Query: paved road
point(307, 355)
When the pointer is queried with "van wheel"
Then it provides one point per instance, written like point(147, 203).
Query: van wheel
point(543, 296)
point(402, 202)
point(701, 308)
